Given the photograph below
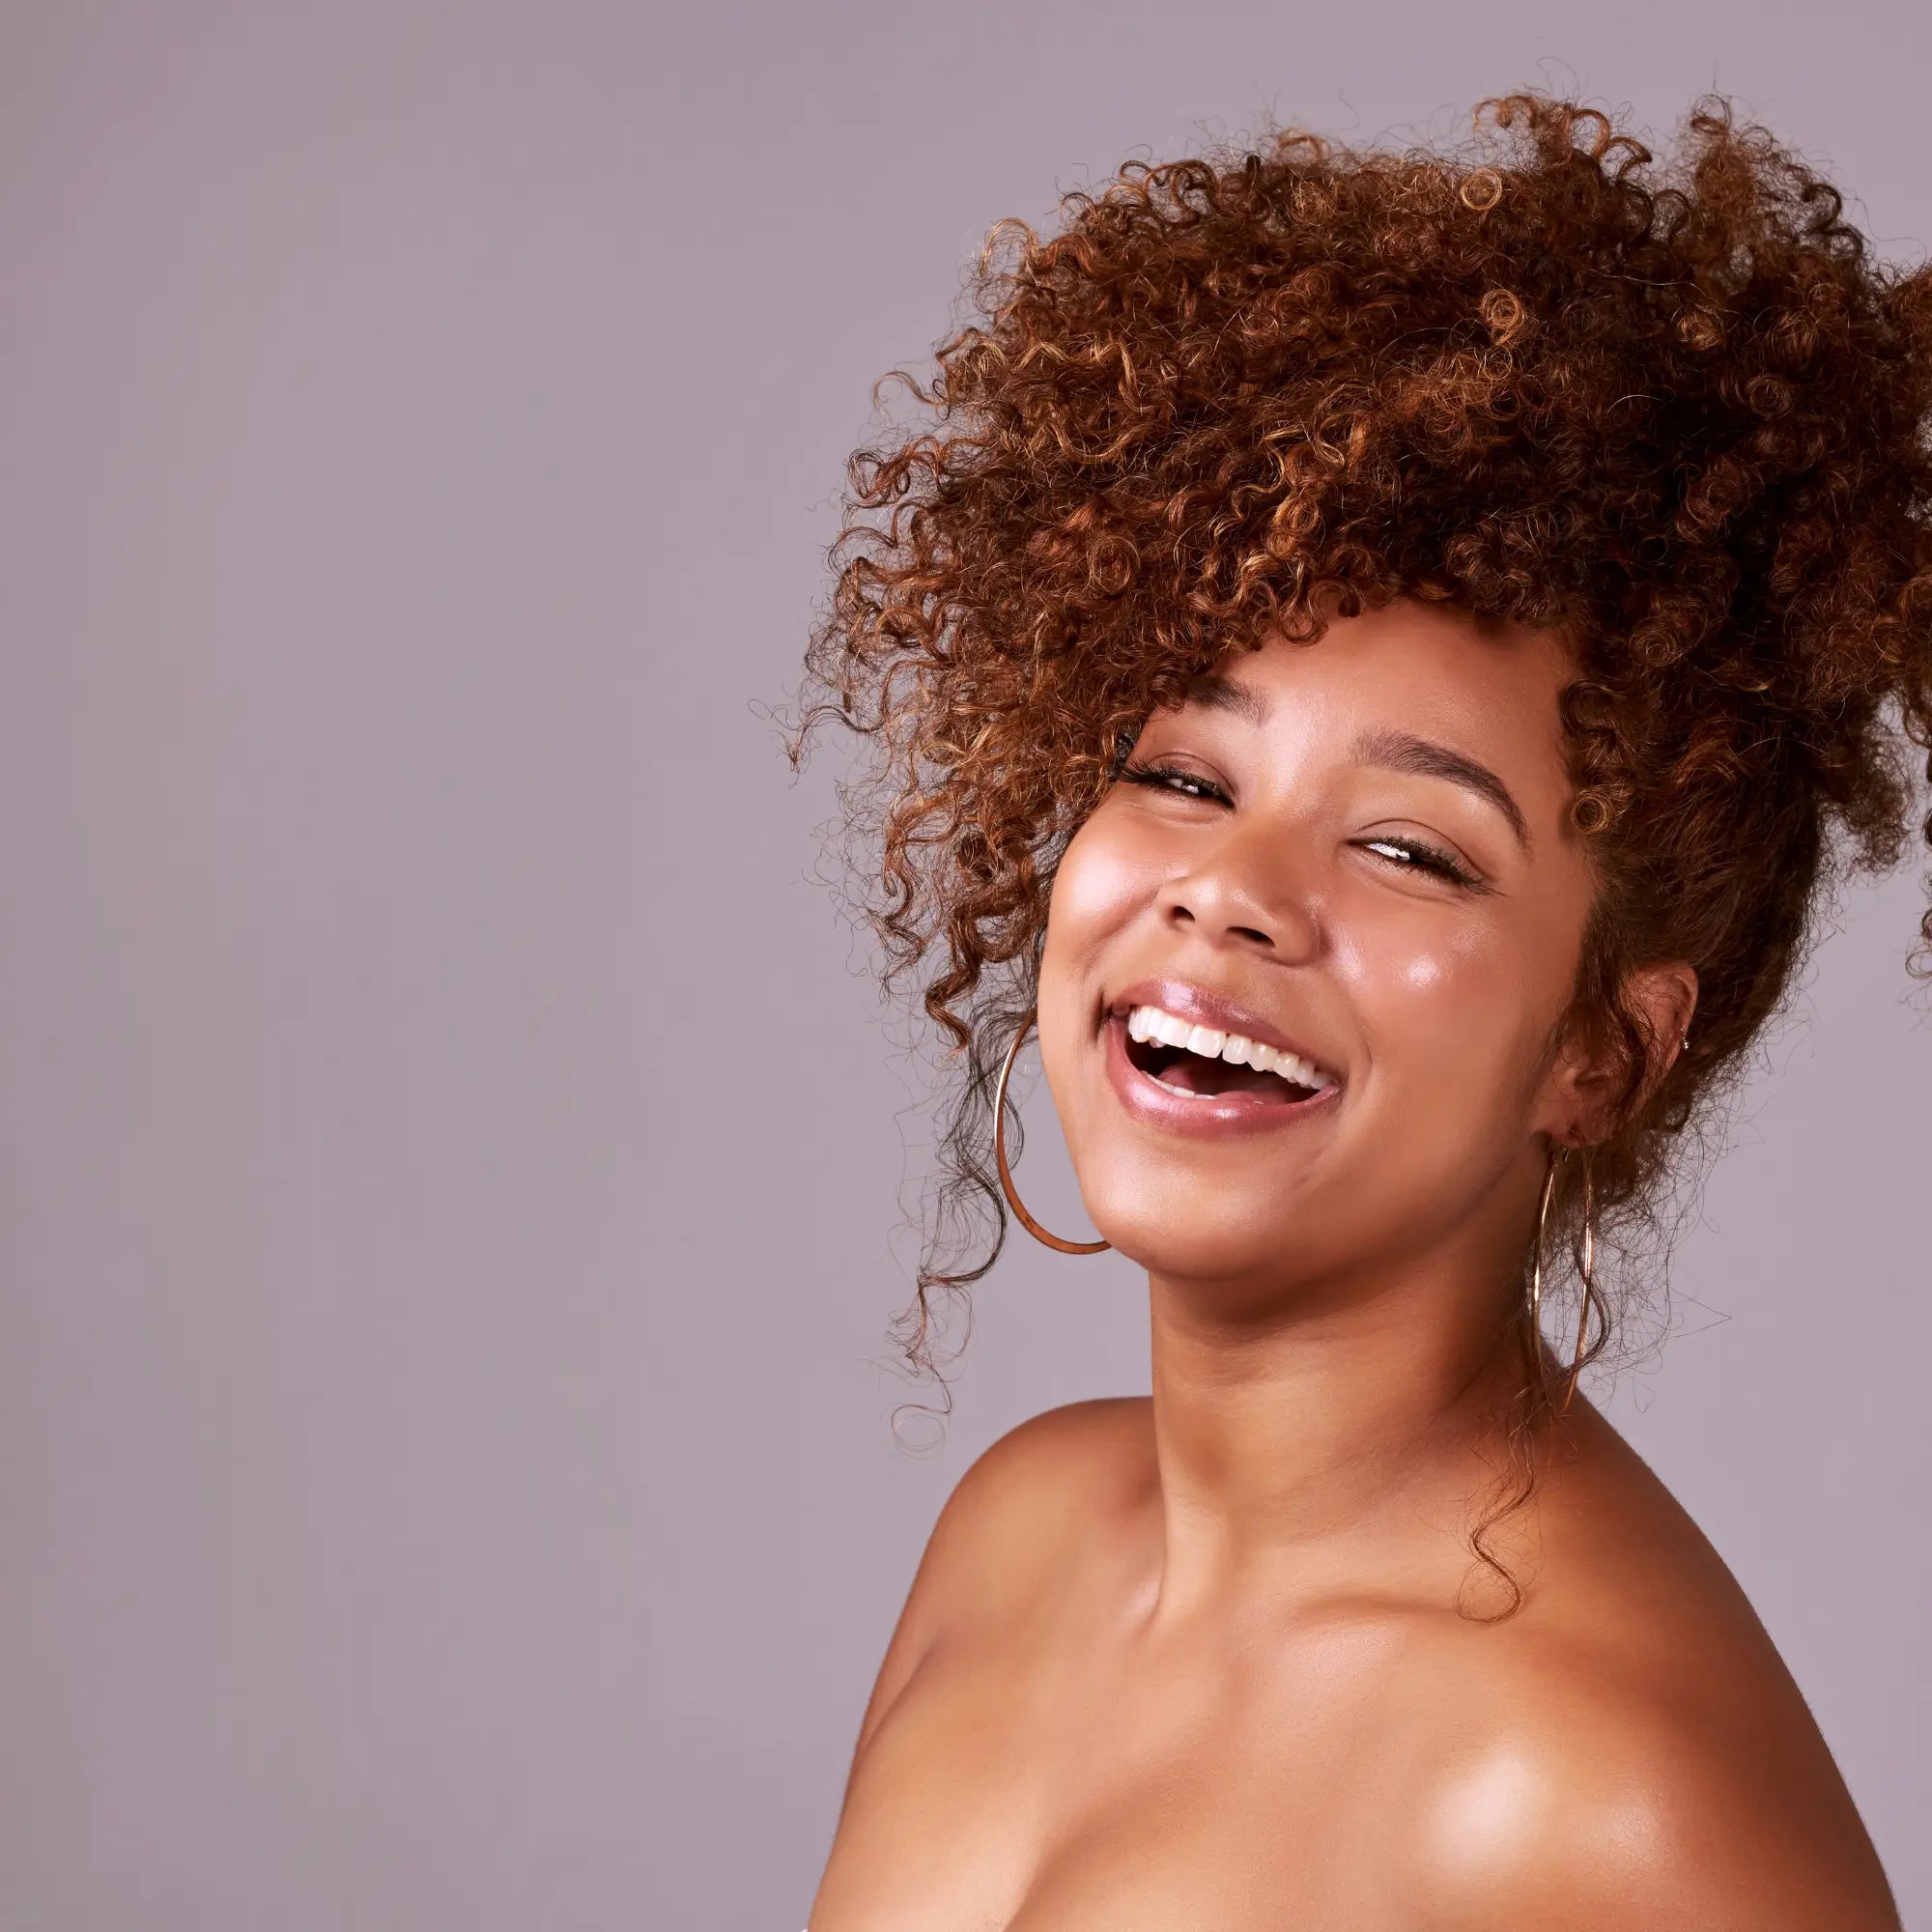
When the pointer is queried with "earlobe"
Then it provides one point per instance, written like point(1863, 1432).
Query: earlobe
point(1572, 1089)
point(1583, 1084)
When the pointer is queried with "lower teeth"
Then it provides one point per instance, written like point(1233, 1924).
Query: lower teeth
point(1278, 1090)
point(1288, 1093)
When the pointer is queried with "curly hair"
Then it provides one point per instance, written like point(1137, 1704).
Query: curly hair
point(1678, 414)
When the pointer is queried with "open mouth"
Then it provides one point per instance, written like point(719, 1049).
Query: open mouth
point(1199, 1062)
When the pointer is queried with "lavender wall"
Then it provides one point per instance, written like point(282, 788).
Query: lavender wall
point(443, 1469)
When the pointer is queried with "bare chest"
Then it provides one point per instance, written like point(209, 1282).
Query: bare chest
point(1016, 1793)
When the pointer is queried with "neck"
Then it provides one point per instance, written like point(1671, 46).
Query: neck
point(1337, 1442)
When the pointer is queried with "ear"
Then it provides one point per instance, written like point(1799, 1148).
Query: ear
point(1586, 1080)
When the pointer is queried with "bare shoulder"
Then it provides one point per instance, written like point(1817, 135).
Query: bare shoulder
point(1612, 1802)
point(1045, 1475)
point(1630, 1750)
point(1012, 1519)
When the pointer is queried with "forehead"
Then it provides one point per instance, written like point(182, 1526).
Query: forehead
point(1485, 686)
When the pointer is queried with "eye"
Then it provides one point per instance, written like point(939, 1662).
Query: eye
point(1412, 855)
point(1420, 855)
point(1170, 777)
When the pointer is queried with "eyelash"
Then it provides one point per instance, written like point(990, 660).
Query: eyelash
point(1428, 857)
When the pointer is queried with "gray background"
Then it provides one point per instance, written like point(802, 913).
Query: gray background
point(453, 1157)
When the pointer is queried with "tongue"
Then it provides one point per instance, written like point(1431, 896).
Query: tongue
point(1196, 1074)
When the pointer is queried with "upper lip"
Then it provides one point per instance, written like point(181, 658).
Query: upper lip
point(1210, 1008)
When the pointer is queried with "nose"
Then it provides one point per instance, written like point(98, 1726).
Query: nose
point(1245, 891)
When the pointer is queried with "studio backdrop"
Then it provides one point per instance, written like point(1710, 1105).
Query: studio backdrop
point(456, 1177)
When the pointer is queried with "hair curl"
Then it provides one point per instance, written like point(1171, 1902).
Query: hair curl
point(1678, 414)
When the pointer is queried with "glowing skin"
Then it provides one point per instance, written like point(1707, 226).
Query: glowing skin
point(1201, 1660)
point(1433, 998)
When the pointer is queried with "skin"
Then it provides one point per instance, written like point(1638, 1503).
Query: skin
point(1221, 1656)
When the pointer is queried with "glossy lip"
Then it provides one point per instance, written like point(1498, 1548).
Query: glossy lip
point(1215, 1116)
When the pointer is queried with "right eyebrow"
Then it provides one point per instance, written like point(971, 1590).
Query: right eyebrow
point(1392, 750)
point(1218, 692)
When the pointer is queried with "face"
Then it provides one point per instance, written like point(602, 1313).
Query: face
point(1355, 853)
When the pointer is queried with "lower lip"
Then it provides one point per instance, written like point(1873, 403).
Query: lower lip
point(1215, 1116)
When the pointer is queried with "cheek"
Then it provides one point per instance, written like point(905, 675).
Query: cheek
point(1099, 883)
point(1097, 891)
point(1443, 1008)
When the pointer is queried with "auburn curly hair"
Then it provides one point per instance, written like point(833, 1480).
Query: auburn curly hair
point(1680, 414)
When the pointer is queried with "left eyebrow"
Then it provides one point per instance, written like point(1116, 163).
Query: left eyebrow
point(1392, 750)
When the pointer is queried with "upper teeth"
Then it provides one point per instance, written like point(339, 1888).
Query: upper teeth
point(1151, 1023)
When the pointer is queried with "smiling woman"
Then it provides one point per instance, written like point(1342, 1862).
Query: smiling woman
point(1379, 659)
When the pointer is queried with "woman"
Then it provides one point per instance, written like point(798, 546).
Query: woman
point(1378, 660)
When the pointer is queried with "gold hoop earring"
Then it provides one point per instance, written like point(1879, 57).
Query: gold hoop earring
point(1006, 1187)
point(1589, 1298)
point(1536, 1270)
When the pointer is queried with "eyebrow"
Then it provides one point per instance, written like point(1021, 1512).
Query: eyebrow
point(1392, 750)
point(1216, 692)
point(1380, 746)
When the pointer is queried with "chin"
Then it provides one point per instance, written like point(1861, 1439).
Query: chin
point(1168, 1227)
